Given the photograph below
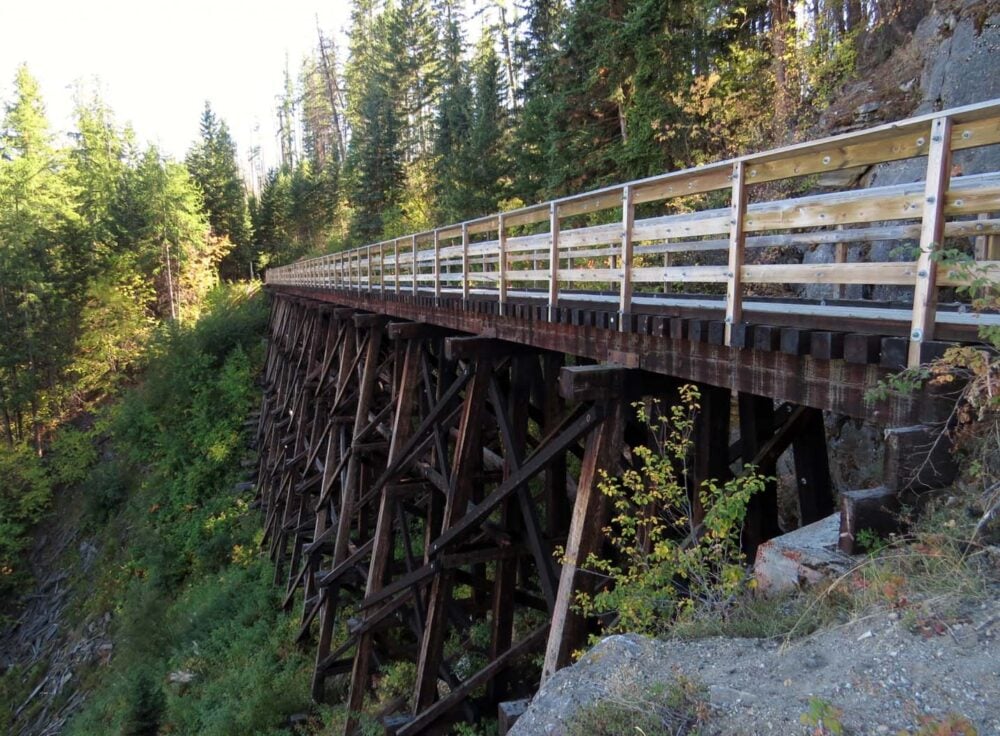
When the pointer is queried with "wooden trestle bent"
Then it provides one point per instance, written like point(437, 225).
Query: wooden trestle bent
point(415, 479)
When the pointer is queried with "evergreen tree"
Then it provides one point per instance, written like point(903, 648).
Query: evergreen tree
point(36, 278)
point(212, 164)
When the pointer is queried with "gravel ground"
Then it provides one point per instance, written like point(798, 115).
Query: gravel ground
point(882, 671)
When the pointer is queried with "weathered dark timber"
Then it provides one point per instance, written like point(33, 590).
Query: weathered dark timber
point(413, 474)
point(821, 379)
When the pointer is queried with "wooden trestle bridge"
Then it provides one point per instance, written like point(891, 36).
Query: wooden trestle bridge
point(438, 408)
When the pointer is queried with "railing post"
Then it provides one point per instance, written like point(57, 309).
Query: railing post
point(987, 246)
point(502, 262)
point(395, 265)
point(413, 241)
point(437, 267)
point(465, 261)
point(625, 258)
point(737, 238)
point(368, 267)
point(931, 236)
point(381, 268)
point(553, 261)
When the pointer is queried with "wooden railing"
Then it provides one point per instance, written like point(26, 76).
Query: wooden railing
point(594, 247)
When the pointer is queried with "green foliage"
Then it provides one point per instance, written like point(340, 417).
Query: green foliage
point(25, 494)
point(665, 567)
point(189, 595)
point(823, 718)
point(214, 169)
point(145, 704)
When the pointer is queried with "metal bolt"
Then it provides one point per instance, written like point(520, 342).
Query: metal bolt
point(916, 334)
point(959, 202)
point(753, 172)
point(826, 160)
point(729, 320)
point(931, 200)
point(936, 138)
point(589, 417)
point(922, 273)
point(921, 141)
point(966, 134)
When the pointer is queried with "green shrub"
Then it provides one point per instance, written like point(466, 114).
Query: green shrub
point(25, 494)
point(665, 566)
point(146, 703)
point(188, 593)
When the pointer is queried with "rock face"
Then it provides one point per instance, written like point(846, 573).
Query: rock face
point(802, 557)
point(880, 674)
point(959, 43)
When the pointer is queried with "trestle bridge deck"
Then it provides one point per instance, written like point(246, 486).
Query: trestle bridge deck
point(438, 408)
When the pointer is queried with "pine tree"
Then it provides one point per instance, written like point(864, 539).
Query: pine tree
point(37, 280)
point(212, 164)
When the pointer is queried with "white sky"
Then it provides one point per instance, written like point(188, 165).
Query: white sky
point(157, 62)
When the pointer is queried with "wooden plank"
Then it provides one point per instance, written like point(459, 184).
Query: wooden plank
point(931, 237)
point(628, 221)
point(585, 536)
point(466, 271)
point(734, 289)
point(812, 468)
point(874, 509)
point(437, 266)
point(413, 262)
point(863, 349)
point(591, 382)
point(383, 542)
point(827, 345)
point(917, 458)
point(395, 266)
point(711, 446)
point(766, 337)
point(894, 351)
point(757, 426)
point(900, 274)
point(502, 263)
point(464, 477)
point(553, 261)
point(795, 341)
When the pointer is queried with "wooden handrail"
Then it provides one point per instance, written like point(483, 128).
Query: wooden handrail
point(491, 255)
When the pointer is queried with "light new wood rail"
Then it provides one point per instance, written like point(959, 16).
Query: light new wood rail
point(643, 237)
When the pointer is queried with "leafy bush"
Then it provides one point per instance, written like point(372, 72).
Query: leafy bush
point(25, 494)
point(664, 565)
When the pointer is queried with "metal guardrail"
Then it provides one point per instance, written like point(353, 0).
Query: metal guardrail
point(503, 256)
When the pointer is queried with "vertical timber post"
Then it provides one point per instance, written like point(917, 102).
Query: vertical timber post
point(395, 266)
point(553, 261)
point(437, 268)
point(604, 446)
point(464, 477)
point(931, 237)
point(413, 284)
point(465, 262)
point(628, 220)
point(502, 263)
point(737, 240)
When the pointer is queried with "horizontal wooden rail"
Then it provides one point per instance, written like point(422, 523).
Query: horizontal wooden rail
point(596, 240)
